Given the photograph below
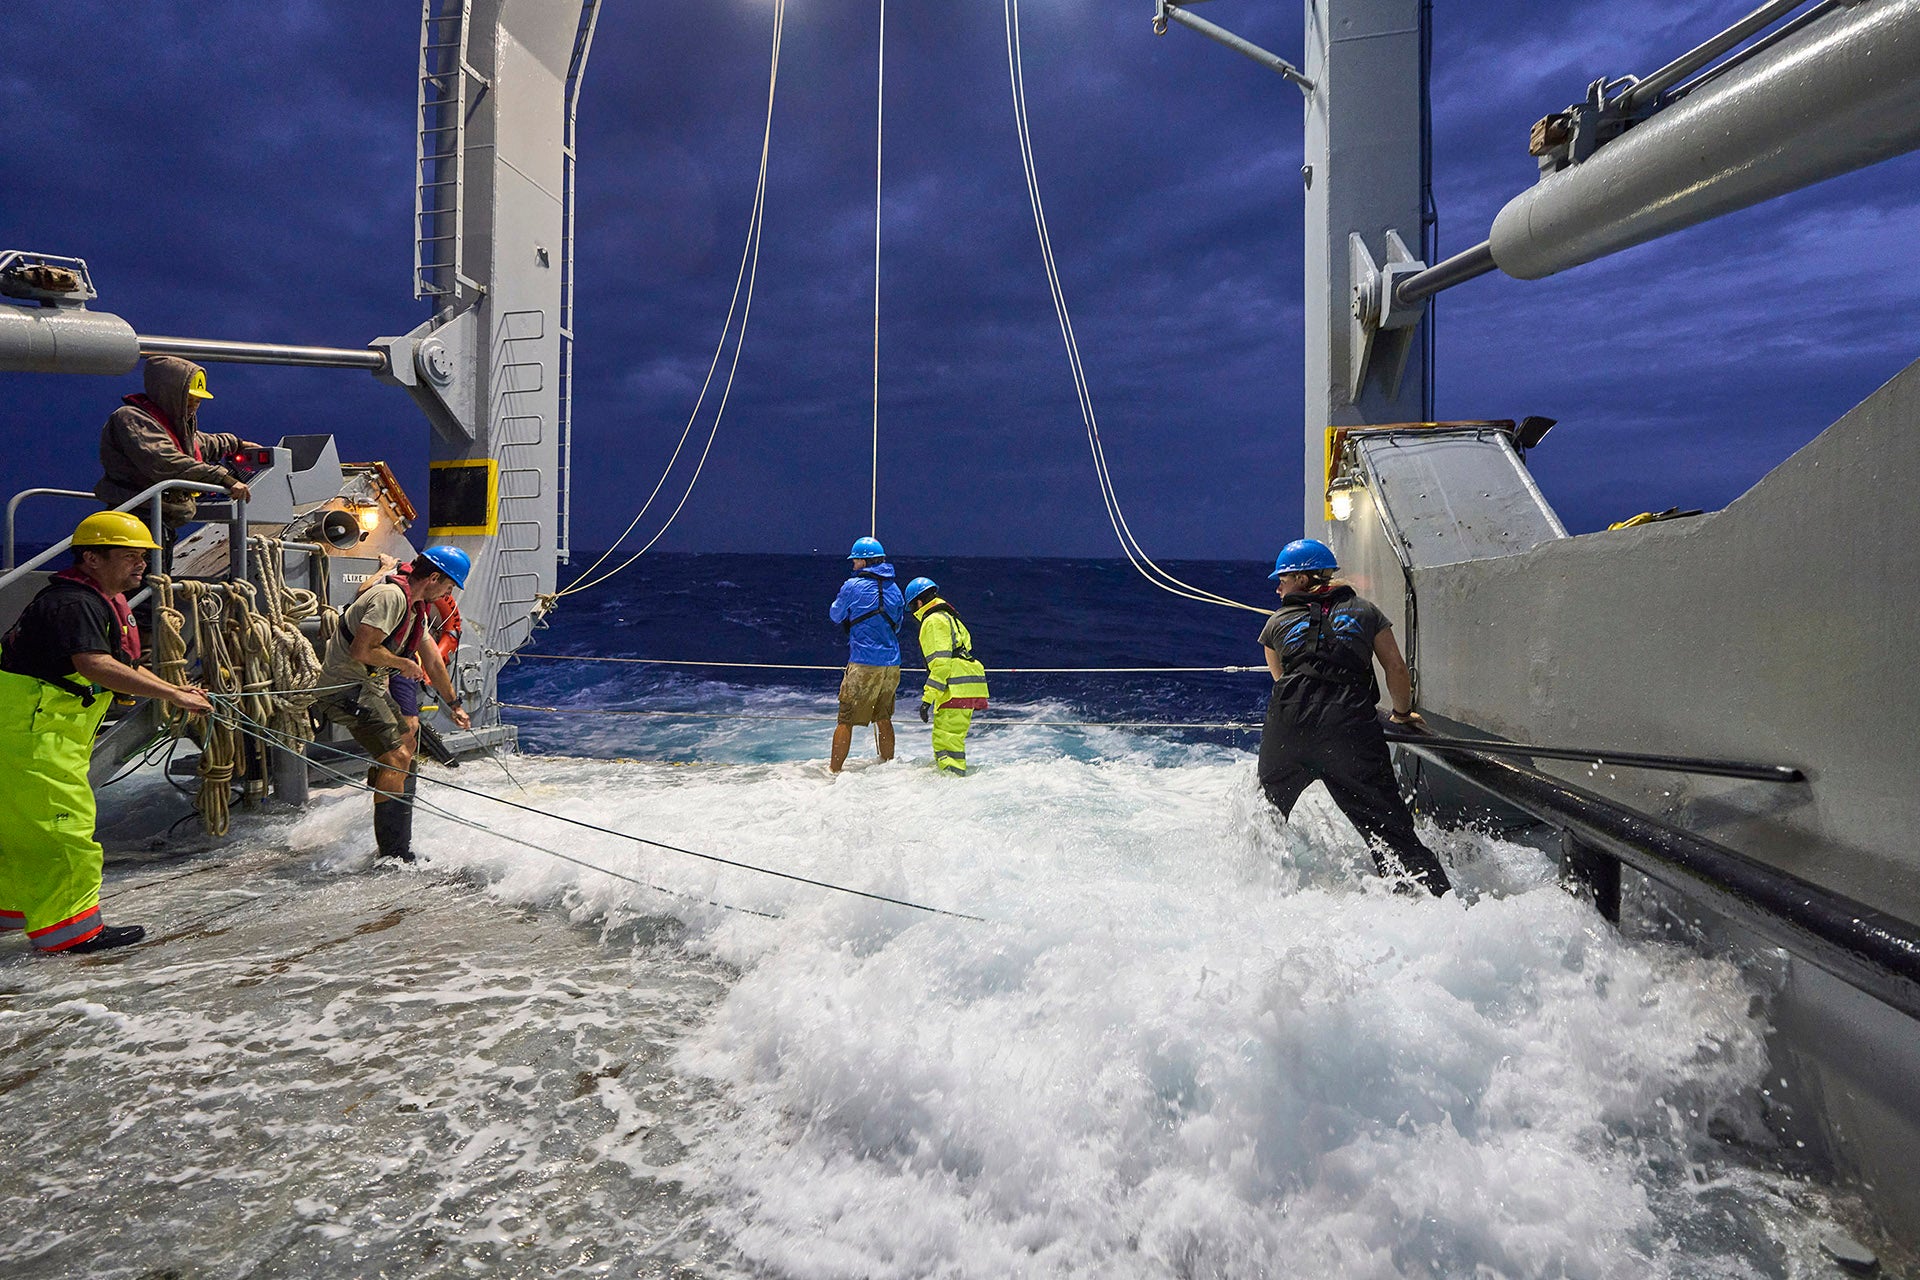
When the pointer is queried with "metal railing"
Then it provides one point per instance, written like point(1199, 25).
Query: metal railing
point(1862, 946)
point(13, 505)
point(153, 497)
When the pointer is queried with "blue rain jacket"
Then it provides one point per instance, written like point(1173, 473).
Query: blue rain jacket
point(870, 611)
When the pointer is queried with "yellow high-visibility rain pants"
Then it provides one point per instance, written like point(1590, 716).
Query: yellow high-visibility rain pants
point(950, 725)
point(956, 682)
point(49, 861)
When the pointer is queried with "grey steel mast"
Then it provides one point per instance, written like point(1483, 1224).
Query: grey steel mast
point(1363, 167)
point(493, 233)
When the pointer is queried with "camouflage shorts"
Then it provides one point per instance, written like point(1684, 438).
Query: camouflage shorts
point(866, 693)
point(370, 715)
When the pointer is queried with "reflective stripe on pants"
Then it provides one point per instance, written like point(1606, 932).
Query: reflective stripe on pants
point(950, 738)
point(49, 860)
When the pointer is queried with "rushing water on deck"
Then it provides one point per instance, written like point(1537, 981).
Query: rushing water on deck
point(1182, 1040)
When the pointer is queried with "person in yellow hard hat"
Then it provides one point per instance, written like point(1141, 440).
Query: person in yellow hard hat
point(155, 436)
point(74, 641)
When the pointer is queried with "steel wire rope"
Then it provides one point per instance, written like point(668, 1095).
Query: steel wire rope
point(805, 666)
point(269, 737)
point(160, 743)
point(272, 739)
point(977, 724)
point(1136, 555)
point(747, 274)
point(879, 139)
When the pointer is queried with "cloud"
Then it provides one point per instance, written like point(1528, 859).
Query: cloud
point(246, 171)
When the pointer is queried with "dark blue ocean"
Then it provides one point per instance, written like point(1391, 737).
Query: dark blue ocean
point(773, 609)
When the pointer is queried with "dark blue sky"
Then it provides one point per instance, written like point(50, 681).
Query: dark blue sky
point(240, 170)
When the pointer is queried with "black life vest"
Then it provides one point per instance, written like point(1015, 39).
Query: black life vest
point(1314, 648)
point(879, 610)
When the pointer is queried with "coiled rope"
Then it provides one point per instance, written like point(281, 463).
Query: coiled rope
point(169, 645)
point(252, 664)
point(1136, 555)
point(295, 665)
point(264, 734)
point(219, 676)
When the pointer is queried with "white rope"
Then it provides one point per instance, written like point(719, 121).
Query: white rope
point(879, 135)
point(1136, 555)
point(748, 273)
point(799, 666)
point(977, 723)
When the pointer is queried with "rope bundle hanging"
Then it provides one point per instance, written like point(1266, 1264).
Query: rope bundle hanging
point(295, 666)
point(257, 661)
point(169, 646)
point(221, 678)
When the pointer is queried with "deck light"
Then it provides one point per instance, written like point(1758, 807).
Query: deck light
point(1340, 497)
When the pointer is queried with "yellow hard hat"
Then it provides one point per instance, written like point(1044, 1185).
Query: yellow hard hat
point(114, 529)
point(197, 385)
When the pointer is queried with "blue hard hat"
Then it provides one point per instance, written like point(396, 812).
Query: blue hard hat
point(919, 587)
point(1303, 555)
point(452, 561)
point(867, 549)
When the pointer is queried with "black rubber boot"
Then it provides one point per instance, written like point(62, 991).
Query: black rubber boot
point(393, 829)
point(113, 935)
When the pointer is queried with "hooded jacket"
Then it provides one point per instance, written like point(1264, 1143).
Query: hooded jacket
point(870, 610)
point(152, 437)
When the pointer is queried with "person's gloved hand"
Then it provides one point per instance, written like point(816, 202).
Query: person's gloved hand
point(926, 712)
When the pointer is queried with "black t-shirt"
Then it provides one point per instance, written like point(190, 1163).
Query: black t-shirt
point(64, 619)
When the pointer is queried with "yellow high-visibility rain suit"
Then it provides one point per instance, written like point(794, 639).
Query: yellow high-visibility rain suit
point(956, 682)
point(49, 861)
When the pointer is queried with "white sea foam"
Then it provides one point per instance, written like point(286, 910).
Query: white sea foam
point(1182, 1042)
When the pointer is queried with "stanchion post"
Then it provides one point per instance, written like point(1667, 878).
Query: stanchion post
point(1588, 873)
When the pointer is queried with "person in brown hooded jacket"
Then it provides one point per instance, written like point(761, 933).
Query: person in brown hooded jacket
point(154, 437)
